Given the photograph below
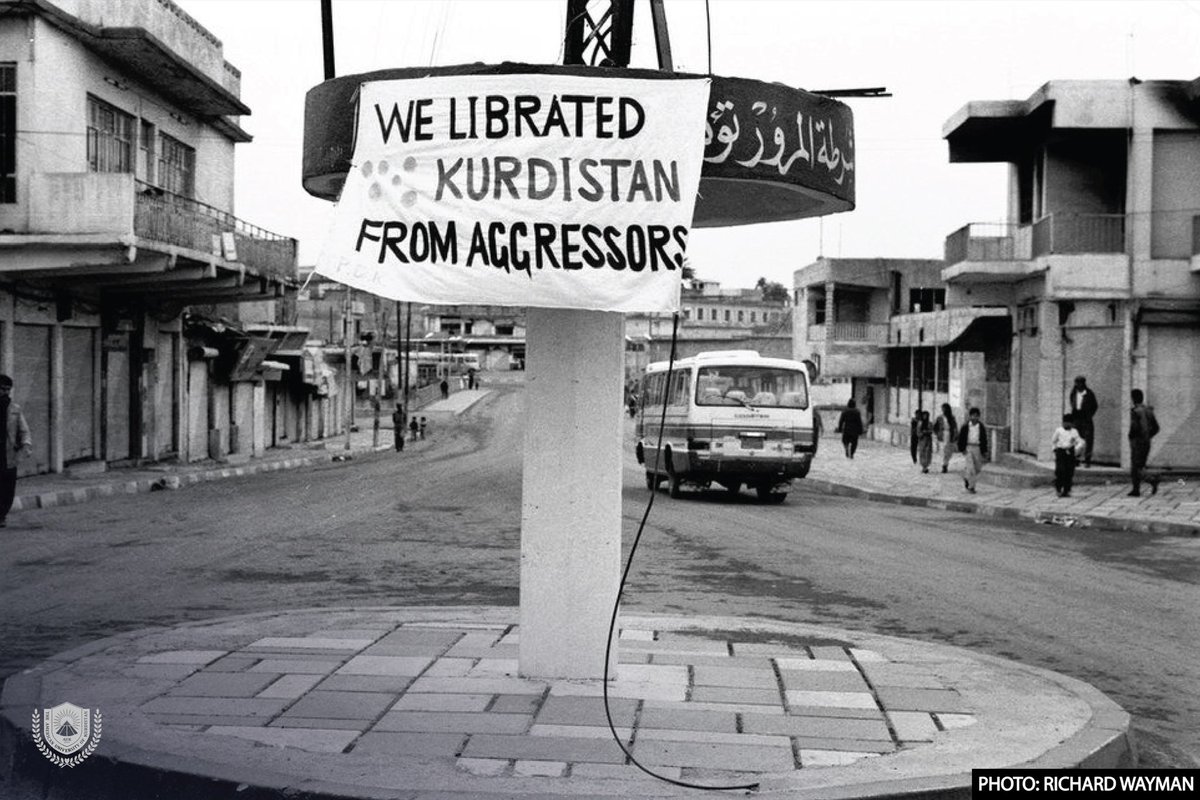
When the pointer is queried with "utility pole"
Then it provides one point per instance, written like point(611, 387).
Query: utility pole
point(349, 377)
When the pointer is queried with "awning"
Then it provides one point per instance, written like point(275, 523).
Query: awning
point(965, 329)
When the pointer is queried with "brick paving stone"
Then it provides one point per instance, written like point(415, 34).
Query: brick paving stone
point(410, 744)
point(823, 681)
point(687, 719)
point(442, 702)
point(726, 694)
point(474, 643)
point(580, 731)
point(296, 666)
point(222, 684)
point(370, 634)
point(653, 673)
point(847, 713)
point(449, 668)
point(902, 699)
point(314, 741)
point(635, 658)
point(830, 653)
point(736, 707)
point(913, 726)
point(867, 656)
point(516, 704)
point(542, 769)
point(385, 665)
point(341, 705)
point(699, 646)
point(477, 685)
point(196, 657)
point(483, 767)
point(358, 725)
point(843, 745)
point(831, 758)
point(494, 668)
point(633, 634)
point(601, 751)
point(365, 683)
point(833, 727)
point(714, 737)
point(232, 663)
point(429, 650)
point(710, 660)
point(215, 706)
point(734, 677)
point(308, 643)
point(660, 692)
point(750, 758)
point(768, 649)
point(901, 675)
point(789, 663)
point(830, 699)
point(290, 687)
point(585, 711)
point(453, 722)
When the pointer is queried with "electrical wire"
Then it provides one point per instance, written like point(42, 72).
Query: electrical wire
point(708, 33)
point(612, 625)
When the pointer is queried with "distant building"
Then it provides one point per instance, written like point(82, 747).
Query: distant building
point(1097, 267)
point(118, 123)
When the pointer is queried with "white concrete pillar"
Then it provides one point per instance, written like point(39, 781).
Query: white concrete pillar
point(571, 492)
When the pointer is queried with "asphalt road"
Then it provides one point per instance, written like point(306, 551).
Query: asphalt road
point(442, 527)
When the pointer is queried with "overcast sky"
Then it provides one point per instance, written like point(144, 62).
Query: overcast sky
point(933, 56)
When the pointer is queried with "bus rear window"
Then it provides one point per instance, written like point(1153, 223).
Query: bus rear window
point(758, 387)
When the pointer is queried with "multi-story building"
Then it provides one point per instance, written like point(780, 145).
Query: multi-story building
point(118, 123)
point(1098, 263)
point(842, 311)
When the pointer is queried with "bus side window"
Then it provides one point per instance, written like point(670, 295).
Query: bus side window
point(680, 383)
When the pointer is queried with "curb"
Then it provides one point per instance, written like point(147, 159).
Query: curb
point(1096, 521)
point(65, 497)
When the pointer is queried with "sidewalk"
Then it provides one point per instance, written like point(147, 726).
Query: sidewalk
point(884, 473)
point(426, 703)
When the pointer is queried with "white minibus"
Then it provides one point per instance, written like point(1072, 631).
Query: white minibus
point(732, 417)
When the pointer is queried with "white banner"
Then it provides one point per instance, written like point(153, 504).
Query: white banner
point(521, 190)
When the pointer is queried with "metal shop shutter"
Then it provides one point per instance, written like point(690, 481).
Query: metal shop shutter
point(79, 394)
point(1173, 389)
point(31, 373)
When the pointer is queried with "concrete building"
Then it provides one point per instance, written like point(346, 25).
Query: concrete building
point(118, 123)
point(843, 307)
point(1098, 263)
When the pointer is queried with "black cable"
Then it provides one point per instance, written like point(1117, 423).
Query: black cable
point(612, 625)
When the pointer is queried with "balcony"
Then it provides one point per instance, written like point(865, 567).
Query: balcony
point(849, 333)
point(107, 229)
point(164, 217)
point(999, 251)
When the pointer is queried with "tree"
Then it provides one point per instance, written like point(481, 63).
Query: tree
point(772, 290)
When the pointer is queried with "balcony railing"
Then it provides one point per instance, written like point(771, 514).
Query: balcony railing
point(165, 217)
point(1060, 233)
point(1067, 234)
point(864, 332)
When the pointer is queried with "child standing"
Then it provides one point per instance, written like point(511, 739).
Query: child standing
point(1068, 446)
point(924, 441)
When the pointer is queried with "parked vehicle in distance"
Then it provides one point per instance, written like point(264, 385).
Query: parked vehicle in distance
point(730, 417)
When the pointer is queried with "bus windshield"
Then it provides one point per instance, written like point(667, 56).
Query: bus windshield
point(751, 386)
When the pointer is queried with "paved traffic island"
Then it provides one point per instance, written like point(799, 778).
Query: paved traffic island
point(426, 702)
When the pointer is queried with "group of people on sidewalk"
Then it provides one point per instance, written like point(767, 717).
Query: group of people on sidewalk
point(1072, 442)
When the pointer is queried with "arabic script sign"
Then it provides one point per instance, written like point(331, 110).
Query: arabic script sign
point(549, 190)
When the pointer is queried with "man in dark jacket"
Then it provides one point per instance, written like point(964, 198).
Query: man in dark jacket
point(1143, 426)
point(850, 426)
point(14, 440)
point(973, 443)
point(1083, 408)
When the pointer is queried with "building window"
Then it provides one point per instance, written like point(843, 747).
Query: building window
point(110, 138)
point(926, 299)
point(727, 315)
point(741, 315)
point(146, 152)
point(753, 314)
point(176, 166)
point(8, 132)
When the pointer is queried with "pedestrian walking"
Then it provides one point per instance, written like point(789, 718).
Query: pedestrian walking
point(1143, 426)
point(913, 425)
point(414, 428)
point(1083, 407)
point(471, 378)
point(973, 443)
point(422, 427)
point(924, 442)
point(850, 426)
point(1068, 446)
point(398, 427)
point(945, 432)
point(16, 439)
point(445, 387)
